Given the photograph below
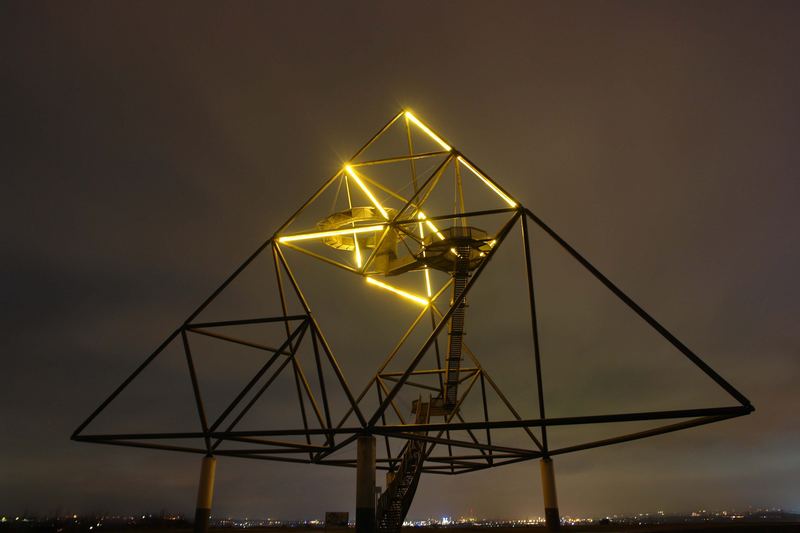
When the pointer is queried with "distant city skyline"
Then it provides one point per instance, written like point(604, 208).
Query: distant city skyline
point(750, 514)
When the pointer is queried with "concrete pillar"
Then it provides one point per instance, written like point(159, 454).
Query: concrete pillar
point(365, 485)
point(553, 521)
point(205, 493)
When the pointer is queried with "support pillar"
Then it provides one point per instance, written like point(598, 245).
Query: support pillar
point(552, 519)
point(365, 485)
point(205, 493)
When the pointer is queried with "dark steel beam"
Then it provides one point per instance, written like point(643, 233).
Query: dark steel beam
point(575, 420)
point(234, 340)
point(201, 411)
point(719, 380)
point(245, 321)
point(643, 434)
point(534, 329)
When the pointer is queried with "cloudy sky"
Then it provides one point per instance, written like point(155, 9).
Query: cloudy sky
point(145, 152)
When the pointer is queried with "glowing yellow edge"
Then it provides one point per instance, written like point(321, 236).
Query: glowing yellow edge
point(421, 216)
point(355, 238)
point(352, 174)
point(404, 294)
point(434, 229)
point(427, 274)
point(491, 245)
point(332, 233)
point(432, 135)
point(488, 183)
point(428, 282)
point(357, 251)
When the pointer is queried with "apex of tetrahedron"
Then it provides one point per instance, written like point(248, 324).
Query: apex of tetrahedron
point(404, 202)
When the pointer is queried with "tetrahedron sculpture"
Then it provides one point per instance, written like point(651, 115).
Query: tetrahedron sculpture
point(380, 267)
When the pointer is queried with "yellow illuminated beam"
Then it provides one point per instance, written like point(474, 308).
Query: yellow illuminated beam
point(428, 282)
point(431, 225)
point(427, 274)
point(435, 230)
point(332, 233)
point(425, 128)
point(357, 251)
point(352, 174)
point(353, 224)
point(418, 299)
point(488, 182)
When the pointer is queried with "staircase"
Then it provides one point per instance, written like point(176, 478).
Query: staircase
point(401, 484)
point(456, 330)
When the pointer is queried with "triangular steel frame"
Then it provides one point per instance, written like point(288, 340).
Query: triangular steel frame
point(268, 444)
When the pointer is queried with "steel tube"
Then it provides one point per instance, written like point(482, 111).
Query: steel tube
point(205, 493)
point(365, 484)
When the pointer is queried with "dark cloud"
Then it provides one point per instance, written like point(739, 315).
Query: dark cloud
point(145, 152)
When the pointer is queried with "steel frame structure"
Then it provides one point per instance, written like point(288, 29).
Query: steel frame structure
point(478, 451)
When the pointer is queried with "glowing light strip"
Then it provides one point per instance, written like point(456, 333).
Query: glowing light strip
point(353, 224)
point(357, 251)
point(352, 174)
point(332, 233)
point(404, 294)
point(424, 128)
point(427, 274)
point(428, 281)
point(488, 183)
point(435, 230)
point(421, 216)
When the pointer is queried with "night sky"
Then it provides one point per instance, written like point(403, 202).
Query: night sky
point(147, 150)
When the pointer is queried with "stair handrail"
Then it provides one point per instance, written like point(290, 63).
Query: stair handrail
point(412, 459)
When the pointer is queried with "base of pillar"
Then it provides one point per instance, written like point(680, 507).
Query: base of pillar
point(365, 520)
point(552, 519)
point(201, 517)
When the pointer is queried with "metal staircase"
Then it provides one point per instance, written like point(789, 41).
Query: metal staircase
point(456, 329)
point(401, 484)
